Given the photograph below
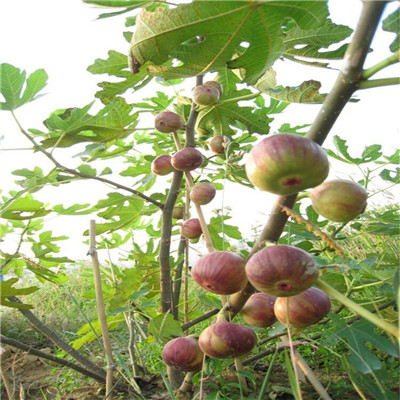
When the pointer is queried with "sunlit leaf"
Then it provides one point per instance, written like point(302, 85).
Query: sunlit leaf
point(16, 89)
point(392, 24)
point(7, 290)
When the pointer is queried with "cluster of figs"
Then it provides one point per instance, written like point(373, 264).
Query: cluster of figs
point(282, 275)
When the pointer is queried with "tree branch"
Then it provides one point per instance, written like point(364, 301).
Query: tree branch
point(82, 175)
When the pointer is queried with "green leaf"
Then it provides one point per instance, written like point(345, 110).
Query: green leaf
point(306, 92)
point(6, 290)
point(22, 208)
point(370, 153)
point(219, 229)
point(117, 65)
point(164, 326)
point(357, 336)
point(391, 176)
point(76, 125)
point(207, 36)
point(128, 4)
point(392, 24)
point(308, 43)
point(17, 90)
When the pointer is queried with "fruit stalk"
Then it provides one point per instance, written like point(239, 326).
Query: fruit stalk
point(379, 322)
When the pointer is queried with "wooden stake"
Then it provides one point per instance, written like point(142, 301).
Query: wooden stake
point(101, 309)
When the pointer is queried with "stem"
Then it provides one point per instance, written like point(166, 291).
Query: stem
point(82, 175)
point(51, 335)
point(50, 357)
point(372, 83)
point(101, 309)
point(386, 326)
point(393, 59)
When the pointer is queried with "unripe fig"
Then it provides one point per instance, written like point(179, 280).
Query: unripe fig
point(281, 270)
point(202, 193)
point(220, 272)
point(219, 143)
point(205, 95)
point(162, 165)
point(191, 228)
point(183, 353)
point(227, 340)
point(286, 163)
point(177, 212)
point(187, 159)
point(215, 84)
point(168, 122)
point(259, 310)
point(304, 309)
point(339, 200)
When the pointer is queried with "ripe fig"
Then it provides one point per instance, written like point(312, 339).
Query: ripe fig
point(259, 310)
point(220, 272)
point(205, 95)
point(191, 228)
point(219, 143)
point(187, 159)
point(286, 163)
point(227, 340)
point(215, 84)
point(161, 165)
point(177, 212)
point(281, 270)
point(304, 309)
point(183, 353)
point(168, 122)
point(339, 200)
point(202, 193)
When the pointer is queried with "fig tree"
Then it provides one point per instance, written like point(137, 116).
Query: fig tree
point(259, 310)
point(286, 163)
point(281, 270)
point(202, 193)
point(219, 143)
point(227, 340)
point(162, 165)
point(183, 353)
point(168, 122)
point(303, 309)
point(339, 200)
point(191, 228)
point(220, 272)
point(205, 95)
point(187, 159)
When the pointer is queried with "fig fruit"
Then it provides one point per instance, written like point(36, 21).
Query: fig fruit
point(286, 163)
point(161, 165)
point(304, 309)
point(220, 272)
point(183, 353)
point(202, 193)
point(219, 143)
point(215, 84)
point(281, 270)
point(191, 228)
point(177, 212)
point(187, 159)
point(168, 122)
point(339, 200)
point(259, 310)
point(227, 340)
point(205, 95)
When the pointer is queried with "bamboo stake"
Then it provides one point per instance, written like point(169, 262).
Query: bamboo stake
point(101, 309)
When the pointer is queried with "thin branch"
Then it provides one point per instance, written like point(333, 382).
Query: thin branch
point(82, 175)
point(393, 59)
point(373, 83)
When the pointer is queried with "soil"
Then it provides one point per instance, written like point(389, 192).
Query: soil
point(32, 378)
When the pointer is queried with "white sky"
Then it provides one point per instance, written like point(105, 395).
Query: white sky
point(63, 37)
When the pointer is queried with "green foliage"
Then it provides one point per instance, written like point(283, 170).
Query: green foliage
point(7, 290)
point(18, 90)
point(391, 24)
